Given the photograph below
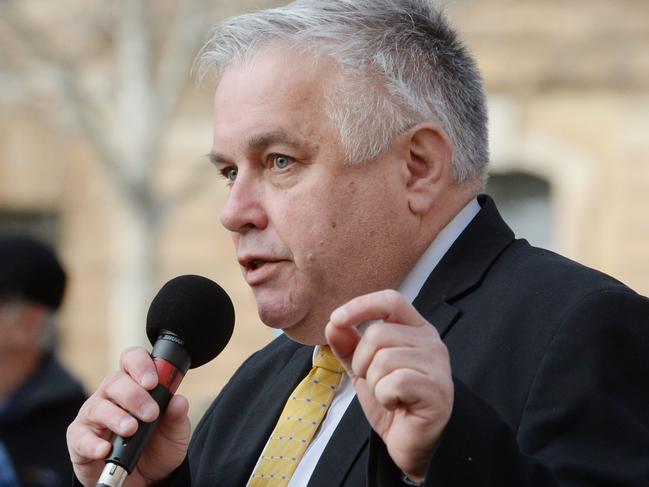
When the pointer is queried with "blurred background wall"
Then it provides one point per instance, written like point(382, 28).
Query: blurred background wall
point(103, 135)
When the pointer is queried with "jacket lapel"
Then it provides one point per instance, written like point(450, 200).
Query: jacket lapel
point(462, 268)
point(343, 449)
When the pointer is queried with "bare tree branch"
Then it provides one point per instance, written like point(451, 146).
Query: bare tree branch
point(177, 54)
point(83, 103)
point(125, 133)
point(137, 102)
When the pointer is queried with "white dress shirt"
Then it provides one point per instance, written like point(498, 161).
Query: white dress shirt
point(409, 288)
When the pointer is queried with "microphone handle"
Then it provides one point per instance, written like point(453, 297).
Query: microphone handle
point(126, 451)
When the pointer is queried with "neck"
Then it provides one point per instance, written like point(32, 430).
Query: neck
point(16, 370)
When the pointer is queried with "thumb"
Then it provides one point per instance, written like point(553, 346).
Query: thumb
point(342, 337)
point(167, 447)
point(175, 423)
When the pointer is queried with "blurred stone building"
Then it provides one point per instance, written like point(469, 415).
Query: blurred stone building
point(568, 84)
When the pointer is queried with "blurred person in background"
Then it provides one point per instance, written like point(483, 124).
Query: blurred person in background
point(7, 474)
point(38, 396)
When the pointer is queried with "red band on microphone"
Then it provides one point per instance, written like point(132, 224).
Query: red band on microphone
point(168, 375)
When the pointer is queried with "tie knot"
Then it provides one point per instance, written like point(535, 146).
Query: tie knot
point(326, 359)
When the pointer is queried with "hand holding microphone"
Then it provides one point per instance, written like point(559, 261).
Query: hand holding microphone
point(189, 322)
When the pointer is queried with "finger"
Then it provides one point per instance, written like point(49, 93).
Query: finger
point(84, 445)
point(343, 342)
point(132, 397)
point(387, 305)
point(380, 335)
point(410, 388)
point(340, 332)
point(387, 360)
point(400, 387)
point(137, 363)
point(101, 414)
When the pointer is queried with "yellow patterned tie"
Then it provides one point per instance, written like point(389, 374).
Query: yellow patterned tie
point(306, 407)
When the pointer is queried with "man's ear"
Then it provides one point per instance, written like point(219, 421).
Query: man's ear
point(429, 165)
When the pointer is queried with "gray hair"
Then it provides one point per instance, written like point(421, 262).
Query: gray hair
point(403, 65)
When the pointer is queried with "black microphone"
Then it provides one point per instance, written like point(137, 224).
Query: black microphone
point(189, 322)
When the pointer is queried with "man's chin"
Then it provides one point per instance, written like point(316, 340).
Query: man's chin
point(274, 317)
point(298, 323)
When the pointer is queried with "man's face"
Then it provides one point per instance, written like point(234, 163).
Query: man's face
point(310, 231)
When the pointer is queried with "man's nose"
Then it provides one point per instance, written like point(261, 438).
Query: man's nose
point(244, 209)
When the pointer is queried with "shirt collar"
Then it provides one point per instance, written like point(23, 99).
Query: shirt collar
point(415, 279)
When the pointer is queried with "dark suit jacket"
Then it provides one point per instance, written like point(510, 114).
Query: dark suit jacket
point(551, 368)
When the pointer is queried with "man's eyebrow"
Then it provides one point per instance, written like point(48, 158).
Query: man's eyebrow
point(259, 141)
point(216, 158)
point(277, 136)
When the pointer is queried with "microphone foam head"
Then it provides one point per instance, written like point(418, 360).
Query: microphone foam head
point(198, 311)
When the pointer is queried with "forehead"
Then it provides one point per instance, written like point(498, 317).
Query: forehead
point(278, 91)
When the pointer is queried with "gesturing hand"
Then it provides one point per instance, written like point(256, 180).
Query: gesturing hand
point(401, 372)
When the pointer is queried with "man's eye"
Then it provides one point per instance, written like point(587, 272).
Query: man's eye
point(281, 162)
point(229, 173)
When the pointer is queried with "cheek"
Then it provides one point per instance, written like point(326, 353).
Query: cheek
point(332, 224)
point(307, 224)
point(318, 248)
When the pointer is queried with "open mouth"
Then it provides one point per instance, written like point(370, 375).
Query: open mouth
point(250, 264)
point(258, 270)
point(255, 264)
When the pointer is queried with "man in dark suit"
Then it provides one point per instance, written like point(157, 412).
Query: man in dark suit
point(352, 136)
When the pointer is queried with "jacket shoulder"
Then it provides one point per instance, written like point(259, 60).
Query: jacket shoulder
point(542, 270)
